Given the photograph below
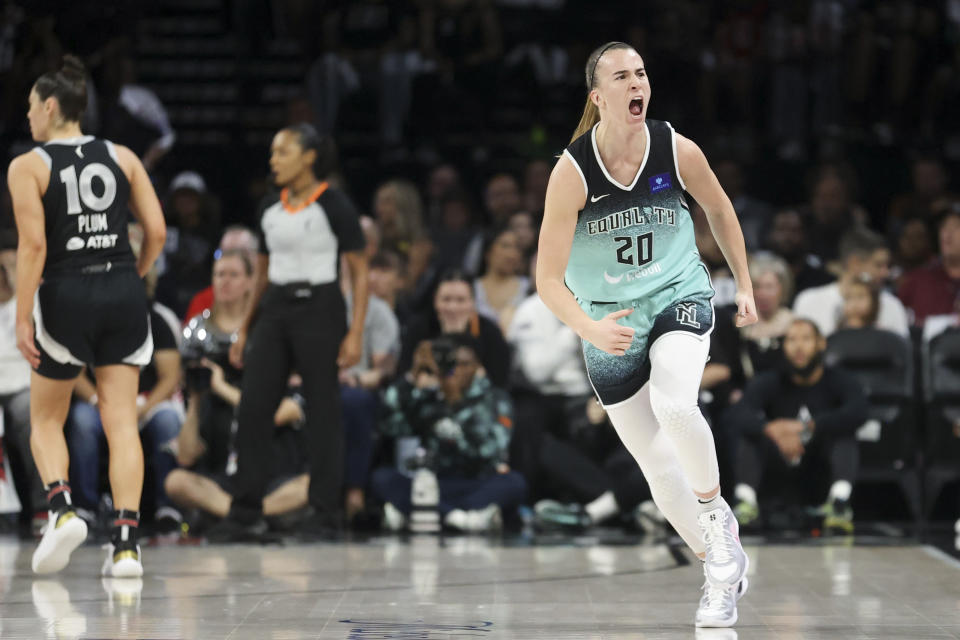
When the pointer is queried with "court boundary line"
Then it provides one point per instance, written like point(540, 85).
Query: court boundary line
point(941, 555)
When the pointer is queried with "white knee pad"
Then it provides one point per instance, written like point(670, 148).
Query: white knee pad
point(676, 415)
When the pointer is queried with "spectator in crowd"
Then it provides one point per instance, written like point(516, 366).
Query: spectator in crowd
point(235, 237)
point(832, 212)
point(562, 444)
point(398, 211)
point(934, 289)
point(134, 115)
point(193, 226)
point(386, 281)
point(772, 288)
point(524, 227)
point(753, 213)
point(929, 185)
point(205, 347)
point(443, 179)
point(787, 238)
point(159, 411)
point(501, 197)
point(536, 175)
point(458, 236)
point(464, 423)
point(913, 248)
point(863, 253)
point(455, 311)
point(15, 394)
point(804, 416)
point(501, 287)
point(371, 50)
point(861, 305)
point(445, 30)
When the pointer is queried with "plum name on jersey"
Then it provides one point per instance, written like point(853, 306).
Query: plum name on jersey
point(632, 217)
point(92, 223)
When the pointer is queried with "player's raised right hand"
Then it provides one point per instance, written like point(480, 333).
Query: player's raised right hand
point(605, 334)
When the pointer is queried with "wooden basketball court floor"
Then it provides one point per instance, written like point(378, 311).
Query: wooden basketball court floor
point(464, 587)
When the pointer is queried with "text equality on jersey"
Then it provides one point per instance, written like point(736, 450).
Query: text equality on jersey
point(632, 217)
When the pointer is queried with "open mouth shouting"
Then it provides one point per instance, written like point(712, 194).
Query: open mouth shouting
point(636, 107)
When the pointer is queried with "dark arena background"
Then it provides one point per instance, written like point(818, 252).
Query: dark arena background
point(832, 125)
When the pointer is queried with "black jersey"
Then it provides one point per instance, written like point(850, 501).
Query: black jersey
point(85, 205)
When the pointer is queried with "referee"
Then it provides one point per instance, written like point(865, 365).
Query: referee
point(298, 322)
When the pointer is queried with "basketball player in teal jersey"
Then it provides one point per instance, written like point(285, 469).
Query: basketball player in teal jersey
point(618, 263)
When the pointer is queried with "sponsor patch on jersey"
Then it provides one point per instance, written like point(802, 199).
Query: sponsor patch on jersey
point(75, 243)
point(659, 182)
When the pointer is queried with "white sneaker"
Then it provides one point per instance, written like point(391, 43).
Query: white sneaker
point(726, 562)
point(122, 564)
point(718, 606)
point(475, 520)
point(393, 518)
point(63, 534)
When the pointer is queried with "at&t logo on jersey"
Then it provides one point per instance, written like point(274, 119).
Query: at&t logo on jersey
point(105, 241)
point(659, 182)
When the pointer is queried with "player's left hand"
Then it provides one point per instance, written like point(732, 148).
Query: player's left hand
point(746, 309)
point(26, 344)
point(350, 350)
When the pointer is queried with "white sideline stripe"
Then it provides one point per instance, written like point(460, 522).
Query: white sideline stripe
point(933, 552)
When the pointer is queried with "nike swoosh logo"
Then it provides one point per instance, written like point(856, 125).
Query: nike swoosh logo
point(79, 153)
point(611, 279)
point(598, 198)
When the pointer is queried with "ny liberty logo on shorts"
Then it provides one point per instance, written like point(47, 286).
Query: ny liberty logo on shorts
point(687, 314)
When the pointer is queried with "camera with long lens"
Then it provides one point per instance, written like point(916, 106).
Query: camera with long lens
point(201, 340)
point(444, 350)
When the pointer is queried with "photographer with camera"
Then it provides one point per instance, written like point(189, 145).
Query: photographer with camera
point(205, 444)
point(464, 425)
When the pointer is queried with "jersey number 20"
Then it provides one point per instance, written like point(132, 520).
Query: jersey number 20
point(636, 253)
point(82, 189)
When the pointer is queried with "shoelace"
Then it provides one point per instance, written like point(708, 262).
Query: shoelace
point(716, 598)
point(716, 538)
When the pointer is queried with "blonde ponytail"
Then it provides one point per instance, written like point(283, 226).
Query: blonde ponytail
point(590, 117)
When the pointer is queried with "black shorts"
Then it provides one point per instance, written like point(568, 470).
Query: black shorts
point(96, 319)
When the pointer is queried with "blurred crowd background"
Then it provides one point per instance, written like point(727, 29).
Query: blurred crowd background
point(833, 125)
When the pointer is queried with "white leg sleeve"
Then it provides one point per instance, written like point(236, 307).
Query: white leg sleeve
point(676, 363)
point(644, 439)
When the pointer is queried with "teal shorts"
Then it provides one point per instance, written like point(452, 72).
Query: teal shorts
point(617, 378)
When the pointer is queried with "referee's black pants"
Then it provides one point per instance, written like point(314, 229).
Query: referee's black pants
point(292, 332)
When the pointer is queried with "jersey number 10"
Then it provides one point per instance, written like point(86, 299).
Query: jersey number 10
point(636, 253)
point(82, 189)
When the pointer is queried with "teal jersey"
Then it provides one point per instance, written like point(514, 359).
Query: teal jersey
point(634, 241)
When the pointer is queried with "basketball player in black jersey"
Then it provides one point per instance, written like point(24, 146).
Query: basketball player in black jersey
point(81, 301)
